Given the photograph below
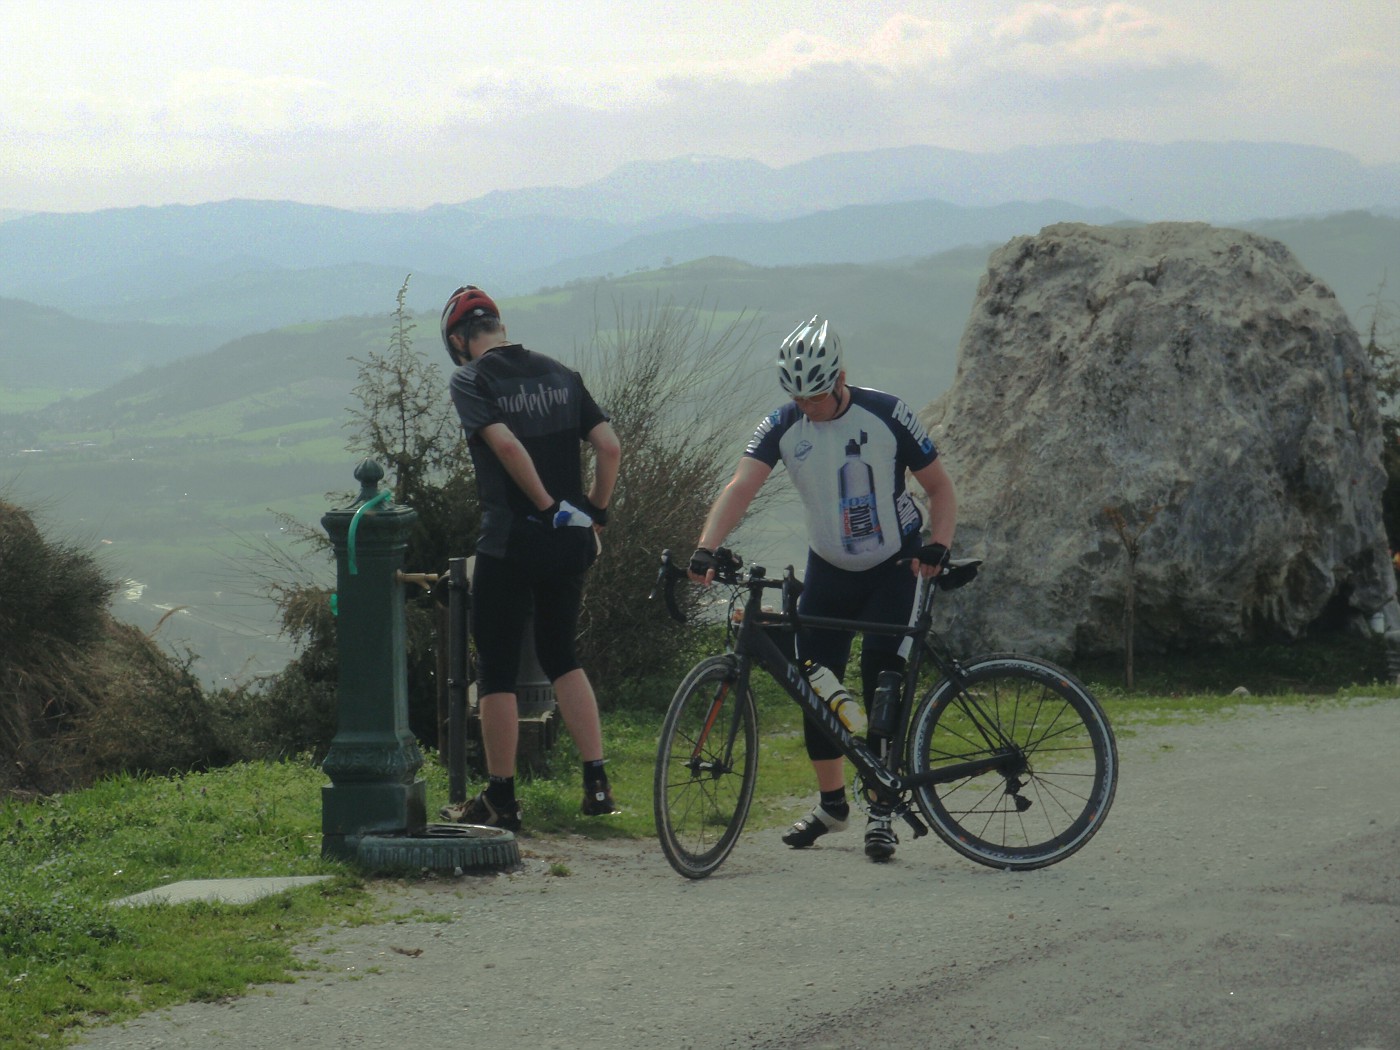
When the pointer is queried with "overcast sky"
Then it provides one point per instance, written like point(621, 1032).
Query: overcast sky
point(406, 104)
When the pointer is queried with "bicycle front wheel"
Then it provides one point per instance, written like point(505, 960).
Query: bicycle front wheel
point(706, 762)
point(1056, 767)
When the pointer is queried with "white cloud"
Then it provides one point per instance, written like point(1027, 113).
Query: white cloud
point(409, 103)
point(1083, 28)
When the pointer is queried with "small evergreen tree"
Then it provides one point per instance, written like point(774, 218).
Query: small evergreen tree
point(406, 421)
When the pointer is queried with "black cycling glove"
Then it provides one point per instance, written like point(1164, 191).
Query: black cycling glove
point(933, 554)
point(598, 514)
point(703, 561)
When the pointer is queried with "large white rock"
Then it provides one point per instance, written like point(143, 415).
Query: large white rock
point(1191, 376)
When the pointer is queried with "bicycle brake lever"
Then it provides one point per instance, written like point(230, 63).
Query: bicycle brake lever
point(660, 575)
point(666, 578)
point(792, 590)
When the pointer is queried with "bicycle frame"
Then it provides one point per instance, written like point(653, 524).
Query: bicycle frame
point(751, 644)
point(986, 743)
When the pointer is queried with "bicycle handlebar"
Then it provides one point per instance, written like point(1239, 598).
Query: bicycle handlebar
point(666, 578)
point(727, 565)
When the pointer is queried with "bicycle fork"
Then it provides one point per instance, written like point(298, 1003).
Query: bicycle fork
point(720, 760)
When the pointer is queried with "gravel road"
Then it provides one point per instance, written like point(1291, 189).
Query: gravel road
point(1243, 893)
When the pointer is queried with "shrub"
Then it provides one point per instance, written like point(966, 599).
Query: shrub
point(53, 610)
point(86, 695)
point(152, 717)
point(680, 393)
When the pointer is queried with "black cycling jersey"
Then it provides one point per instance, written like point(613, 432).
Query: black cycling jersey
point(547, 407)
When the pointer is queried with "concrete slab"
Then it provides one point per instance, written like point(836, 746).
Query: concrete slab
point(226, 891)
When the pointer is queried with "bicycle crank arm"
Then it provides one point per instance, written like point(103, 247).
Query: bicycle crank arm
point(911, 818)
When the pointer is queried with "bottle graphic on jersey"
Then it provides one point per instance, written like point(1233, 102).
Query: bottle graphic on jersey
point(860, 522)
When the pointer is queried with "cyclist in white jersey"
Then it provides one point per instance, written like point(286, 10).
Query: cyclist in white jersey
point(848, 450)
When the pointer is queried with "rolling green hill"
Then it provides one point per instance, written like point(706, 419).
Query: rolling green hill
point(45, 347)
point(176, 471)
point(287, 376)
point(262, 299)
point(900, 323)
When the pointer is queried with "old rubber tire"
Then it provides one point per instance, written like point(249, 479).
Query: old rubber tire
point(442, 847)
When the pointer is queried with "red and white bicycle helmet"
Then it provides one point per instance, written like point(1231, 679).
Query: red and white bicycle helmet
point(463, 305)
point(809, 359)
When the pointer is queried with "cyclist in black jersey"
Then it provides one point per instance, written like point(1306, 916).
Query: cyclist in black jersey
point(848, 450)
point(524, 416)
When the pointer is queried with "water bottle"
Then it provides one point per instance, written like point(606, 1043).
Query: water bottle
point(860, 521)
point(884, 711)
point(829, 688)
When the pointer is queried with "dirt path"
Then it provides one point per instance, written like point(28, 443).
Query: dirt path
point(1243, 893)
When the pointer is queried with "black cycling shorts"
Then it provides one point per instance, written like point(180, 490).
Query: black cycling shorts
point(543, 574)
point(883, 594)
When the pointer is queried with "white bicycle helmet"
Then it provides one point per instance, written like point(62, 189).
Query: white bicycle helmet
point(809, 359)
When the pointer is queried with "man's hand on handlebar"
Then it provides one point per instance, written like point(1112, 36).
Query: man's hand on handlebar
point(929, 560)
point(702, 566)
point(707, 565)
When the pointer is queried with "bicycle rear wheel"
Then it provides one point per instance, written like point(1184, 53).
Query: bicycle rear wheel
point(706, 761)
point(1057, 771)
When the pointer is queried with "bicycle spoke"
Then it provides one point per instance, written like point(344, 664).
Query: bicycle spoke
point(1053, 788)
point(706, 763)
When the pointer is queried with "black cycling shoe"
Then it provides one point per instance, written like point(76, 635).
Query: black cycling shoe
point(598, 801)
point(812, 827)
point(880, 839)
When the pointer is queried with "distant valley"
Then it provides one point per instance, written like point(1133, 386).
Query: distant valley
point(170, 377)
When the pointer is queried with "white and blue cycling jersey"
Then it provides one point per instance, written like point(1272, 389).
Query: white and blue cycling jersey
point(849, 472)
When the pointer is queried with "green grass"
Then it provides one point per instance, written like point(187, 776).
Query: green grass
point(1320, 665)
point(70, 960)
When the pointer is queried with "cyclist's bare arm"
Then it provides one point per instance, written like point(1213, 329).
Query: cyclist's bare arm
point(607, 457)
point(942, 507)
point(517, 462)
point(731, 505)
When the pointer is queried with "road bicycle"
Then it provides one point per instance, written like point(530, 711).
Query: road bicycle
point(1008, 758)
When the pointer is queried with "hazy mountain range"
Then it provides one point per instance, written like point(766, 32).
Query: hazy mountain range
point(238, 266)
point(177, 373)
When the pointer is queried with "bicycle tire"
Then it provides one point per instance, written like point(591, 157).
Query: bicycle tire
point(702, 787)
point(1055, 788)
